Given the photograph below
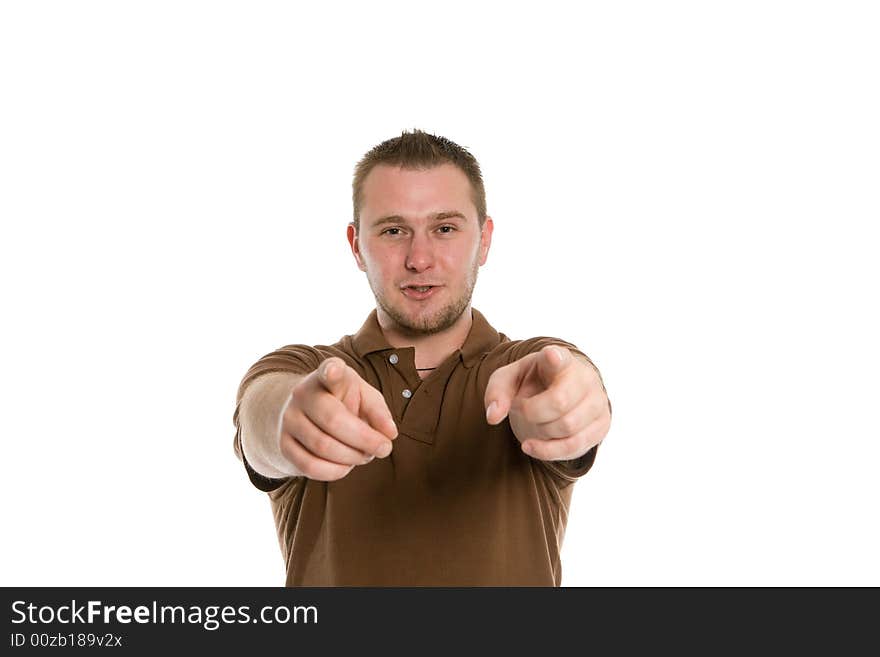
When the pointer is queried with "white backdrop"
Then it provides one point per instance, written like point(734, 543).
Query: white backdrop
point(688, 191)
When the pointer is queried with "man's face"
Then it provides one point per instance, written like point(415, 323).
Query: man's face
point(411, 234)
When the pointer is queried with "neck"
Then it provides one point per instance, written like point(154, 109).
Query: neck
point(432, 349)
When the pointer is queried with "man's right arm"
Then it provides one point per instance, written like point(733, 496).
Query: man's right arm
point(260, 413)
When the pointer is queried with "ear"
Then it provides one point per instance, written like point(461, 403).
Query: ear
point(486, 239)
point(353, 241)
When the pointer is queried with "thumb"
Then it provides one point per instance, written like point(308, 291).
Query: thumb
point(501, 390)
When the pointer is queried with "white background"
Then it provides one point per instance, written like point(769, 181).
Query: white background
point(688, 191)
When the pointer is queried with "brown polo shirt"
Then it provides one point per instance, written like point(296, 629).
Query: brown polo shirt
point(456, 503)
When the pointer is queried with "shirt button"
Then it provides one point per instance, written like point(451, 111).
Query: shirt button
point(407, 393)
point(393, 359)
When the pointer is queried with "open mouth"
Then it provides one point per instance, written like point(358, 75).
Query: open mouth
point(419, 292)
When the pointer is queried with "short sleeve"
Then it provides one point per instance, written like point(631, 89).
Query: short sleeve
point(296, 359)
point(567, 472)
point(265, 484)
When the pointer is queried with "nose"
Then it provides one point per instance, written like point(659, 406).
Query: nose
point(421, 253)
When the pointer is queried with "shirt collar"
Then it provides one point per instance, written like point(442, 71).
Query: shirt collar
point(481, 338)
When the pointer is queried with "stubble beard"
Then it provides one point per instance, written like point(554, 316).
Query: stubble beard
point(439, 320)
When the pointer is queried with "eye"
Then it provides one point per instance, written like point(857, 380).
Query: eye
point(451, 229)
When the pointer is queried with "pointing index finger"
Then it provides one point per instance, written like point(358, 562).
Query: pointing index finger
point(331, 374)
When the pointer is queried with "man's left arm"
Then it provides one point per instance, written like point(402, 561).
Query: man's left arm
point(578, 463)
point(557, 404)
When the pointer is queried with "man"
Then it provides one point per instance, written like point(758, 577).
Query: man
point(426, 449)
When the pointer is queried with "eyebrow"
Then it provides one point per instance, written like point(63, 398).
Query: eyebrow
point(438, 216)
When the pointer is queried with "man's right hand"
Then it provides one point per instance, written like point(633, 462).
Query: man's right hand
point(335, 421)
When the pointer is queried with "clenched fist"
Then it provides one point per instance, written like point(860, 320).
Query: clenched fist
point(335, 421)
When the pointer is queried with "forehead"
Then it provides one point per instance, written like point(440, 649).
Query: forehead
point(415, 193)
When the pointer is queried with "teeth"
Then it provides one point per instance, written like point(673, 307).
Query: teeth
point(422, 289)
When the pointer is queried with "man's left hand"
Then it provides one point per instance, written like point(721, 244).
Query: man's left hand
point(556, 401)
